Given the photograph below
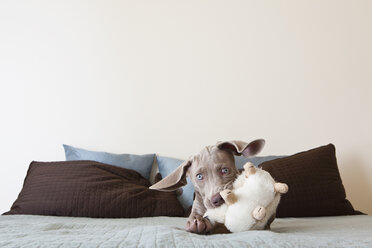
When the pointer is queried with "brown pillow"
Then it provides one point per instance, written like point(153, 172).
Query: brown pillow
point(91, 189)
point(315, 186)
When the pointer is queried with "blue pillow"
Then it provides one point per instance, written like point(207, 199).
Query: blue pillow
point(140, 163)
point(168, 165)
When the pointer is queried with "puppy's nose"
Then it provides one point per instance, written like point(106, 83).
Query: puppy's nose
point(217, 200)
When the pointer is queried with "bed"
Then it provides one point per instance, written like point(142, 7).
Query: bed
point(51, 231)
point(85, 203)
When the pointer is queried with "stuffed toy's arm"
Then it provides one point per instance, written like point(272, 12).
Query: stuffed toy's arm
point(281, 188)
point(218, 214)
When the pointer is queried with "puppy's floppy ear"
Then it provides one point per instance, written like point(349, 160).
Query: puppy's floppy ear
point(238, 147)
point(174, 180)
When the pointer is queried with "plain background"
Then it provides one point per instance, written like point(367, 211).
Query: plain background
point(173, 76)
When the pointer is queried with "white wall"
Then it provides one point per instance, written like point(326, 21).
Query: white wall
point(172, 76)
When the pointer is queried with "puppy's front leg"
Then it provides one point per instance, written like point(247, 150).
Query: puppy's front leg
point(196, 223)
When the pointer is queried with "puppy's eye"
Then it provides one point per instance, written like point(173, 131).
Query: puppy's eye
point(224, 170)
point(199, 176)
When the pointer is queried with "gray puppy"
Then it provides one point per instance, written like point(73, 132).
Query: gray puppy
point(211, 171)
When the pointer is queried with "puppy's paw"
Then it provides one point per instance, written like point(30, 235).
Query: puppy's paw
point(198, 224)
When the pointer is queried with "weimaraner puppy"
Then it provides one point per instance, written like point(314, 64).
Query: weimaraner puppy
point(211, 171)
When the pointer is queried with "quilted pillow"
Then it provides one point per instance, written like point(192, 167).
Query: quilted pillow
point(315, 186)
point(139, 163)
point(91, 189)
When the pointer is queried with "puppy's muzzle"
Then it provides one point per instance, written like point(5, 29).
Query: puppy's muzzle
point(217, 200)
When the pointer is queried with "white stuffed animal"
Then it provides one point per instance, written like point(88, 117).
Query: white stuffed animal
point(251, 203)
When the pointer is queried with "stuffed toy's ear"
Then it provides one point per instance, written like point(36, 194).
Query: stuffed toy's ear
point(174, 180)
point(238, 147)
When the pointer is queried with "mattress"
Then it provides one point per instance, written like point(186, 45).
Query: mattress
point(51, 231)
